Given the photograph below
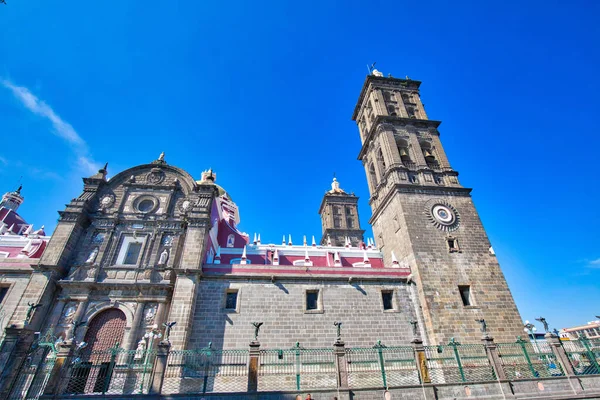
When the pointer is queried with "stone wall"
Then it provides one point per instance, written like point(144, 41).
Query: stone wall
point(417, 242)
point(280, 305)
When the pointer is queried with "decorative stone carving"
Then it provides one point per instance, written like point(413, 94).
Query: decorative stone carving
point(92, 257)
point(167, 240)
point(69, 312)
point(156, 176)
point(147, 274)
point(442, 215)
point(167, 275)
point(150, 313)
point(164, 257)
point(98, 238)
point(91, 273)
point(185, 206)
point(107, 201)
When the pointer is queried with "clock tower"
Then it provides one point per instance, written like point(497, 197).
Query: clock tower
point(427, 219)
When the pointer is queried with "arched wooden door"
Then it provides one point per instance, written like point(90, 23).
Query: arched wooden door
point(94, 372)
point(105, 330)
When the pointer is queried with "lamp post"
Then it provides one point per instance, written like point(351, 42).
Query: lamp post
point(148, 338)
point(530, 329)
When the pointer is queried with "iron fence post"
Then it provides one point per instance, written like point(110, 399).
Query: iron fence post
point(379, 348)
point(339, 352)
point(524, 349)
point(157, 376)
point(64, 353)
point(253, 365)
point(455, 345)
point(421, 360)
point(297, 365)
point(586, 343)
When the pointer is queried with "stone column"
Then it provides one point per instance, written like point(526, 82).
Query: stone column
point(253, 365)
point(17, 342)
point(160, 367)
point(563, 360)
point(421, 364)
point(135, 327)
point(491, 350)
point(81, 307)
point(57, 376)
point(339, 352)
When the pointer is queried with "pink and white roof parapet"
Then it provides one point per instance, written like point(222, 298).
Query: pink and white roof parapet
point(288, 259)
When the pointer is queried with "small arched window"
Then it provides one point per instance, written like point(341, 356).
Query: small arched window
point(373, 175)
point(392, 110)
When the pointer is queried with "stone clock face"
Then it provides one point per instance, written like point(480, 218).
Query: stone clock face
point(443, 215)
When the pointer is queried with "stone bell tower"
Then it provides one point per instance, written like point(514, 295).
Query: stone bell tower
point(425, 217)
point(339, 217)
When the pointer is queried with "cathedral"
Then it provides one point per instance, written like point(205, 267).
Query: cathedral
point(152, 261)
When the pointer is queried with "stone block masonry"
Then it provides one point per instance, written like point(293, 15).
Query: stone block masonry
point(281, 305)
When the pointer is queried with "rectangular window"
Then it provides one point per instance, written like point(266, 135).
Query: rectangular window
point(349, 223)
point(3, 292)
point(465, 294)
point(231, 300)
point(312, 300)
point(348, 210)
point(387, 296)
point(337, 223)
point(133, 253)
point(453, 245)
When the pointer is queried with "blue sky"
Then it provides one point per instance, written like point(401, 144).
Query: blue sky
point(263, 92)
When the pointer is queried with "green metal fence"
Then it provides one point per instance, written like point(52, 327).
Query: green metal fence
point(381, 366)
point(583, 355)
point(34, 374)
point(455, 363)
point(526, 360)
point(297, 369)
point(206, 370)
point(112, 371)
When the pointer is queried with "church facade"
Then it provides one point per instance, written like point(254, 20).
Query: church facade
point(155, 253)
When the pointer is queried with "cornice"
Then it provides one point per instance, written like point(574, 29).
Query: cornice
point(389, 81)
point(382, 119)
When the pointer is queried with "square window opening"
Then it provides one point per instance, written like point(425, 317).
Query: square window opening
point(3, 292)
point(133, 253)
point(465, 295)
point(453, 245)
point(312, 300)
point(231, 300)
point(387, 297)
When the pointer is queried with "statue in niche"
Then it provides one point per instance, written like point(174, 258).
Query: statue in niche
point(92, 257)
point(139, 351)
point(164, 257)
point(69, 313)
point(150, 313)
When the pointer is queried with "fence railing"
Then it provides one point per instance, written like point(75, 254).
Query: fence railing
point(118, 371)
point(206, 370)
point(113, 371)
point(526, 360)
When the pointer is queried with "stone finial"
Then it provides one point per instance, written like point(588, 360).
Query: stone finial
point(217, 259)
point(335, 187)
point(283, 241)
point(304, 240)
point(161, 157)
point(365, 258)
point(328, 241)
point(336, 260)
point(258, 241)
point(306, 257)
point(289, 240)
point(347, 241)
point(394, 259)
point(276, 257)
point(28, 230)
point(369, 245)
point(254, 241)
point(244, 258)
point(314, 244)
